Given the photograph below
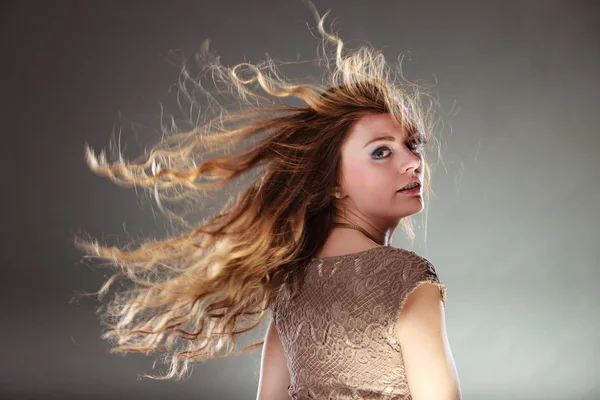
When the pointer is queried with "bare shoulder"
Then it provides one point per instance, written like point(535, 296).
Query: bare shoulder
point(421, 332)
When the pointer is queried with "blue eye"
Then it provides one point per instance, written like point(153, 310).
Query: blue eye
point(378, 151)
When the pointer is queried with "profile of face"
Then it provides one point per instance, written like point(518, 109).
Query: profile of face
point(377, 160)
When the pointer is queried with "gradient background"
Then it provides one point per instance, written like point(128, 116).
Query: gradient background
point(513, 231)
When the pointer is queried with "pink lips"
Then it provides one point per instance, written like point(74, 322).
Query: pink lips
point(411, 191)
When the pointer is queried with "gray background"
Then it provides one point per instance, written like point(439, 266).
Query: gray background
point(513, 230)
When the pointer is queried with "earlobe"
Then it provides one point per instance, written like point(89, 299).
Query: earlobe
point(338, 192)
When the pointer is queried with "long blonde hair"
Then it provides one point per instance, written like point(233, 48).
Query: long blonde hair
point(192, 294)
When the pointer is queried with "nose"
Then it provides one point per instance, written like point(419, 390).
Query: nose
point(410, 160)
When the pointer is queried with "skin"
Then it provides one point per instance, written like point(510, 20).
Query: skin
point(370, 176)
point(371, 172)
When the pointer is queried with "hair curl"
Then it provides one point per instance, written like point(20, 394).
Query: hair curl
point(193, 293)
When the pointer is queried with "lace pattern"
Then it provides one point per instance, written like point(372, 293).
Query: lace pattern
point(338, 332)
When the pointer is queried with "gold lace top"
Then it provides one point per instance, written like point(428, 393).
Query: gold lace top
point(338, 332)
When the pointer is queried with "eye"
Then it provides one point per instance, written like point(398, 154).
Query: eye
point(379, 151)
point(418, 144)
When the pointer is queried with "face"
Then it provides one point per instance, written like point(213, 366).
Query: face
point(377, 160)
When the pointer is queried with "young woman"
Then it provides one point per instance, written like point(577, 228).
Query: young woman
point(309, 239)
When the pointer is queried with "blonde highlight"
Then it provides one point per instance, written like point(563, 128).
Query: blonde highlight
point(193, 293)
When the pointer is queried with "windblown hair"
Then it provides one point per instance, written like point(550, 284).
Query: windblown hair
point(192, 294)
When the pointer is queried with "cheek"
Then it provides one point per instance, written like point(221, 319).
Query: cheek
point(365, 179)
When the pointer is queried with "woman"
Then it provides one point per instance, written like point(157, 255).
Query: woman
point(308, 240)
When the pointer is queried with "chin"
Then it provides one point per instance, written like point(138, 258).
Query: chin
point(407, 212)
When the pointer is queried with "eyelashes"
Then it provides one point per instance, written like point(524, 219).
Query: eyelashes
point(414, 146)
point(377, 151)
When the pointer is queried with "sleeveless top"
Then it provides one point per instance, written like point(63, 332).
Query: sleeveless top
point(338, 332)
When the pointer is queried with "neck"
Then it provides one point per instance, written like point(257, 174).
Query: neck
point(379, 237)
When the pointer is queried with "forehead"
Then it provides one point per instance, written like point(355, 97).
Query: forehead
point(371, 125)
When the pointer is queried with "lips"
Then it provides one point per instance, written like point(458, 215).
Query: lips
point(414, 181)
point(415, 190)
point(406, 189)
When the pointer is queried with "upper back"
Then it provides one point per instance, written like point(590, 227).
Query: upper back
point(338, 331)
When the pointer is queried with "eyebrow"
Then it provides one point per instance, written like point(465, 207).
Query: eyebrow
point(390, 138)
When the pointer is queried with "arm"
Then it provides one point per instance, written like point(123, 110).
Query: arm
point(274, 374)
point(428, 361)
